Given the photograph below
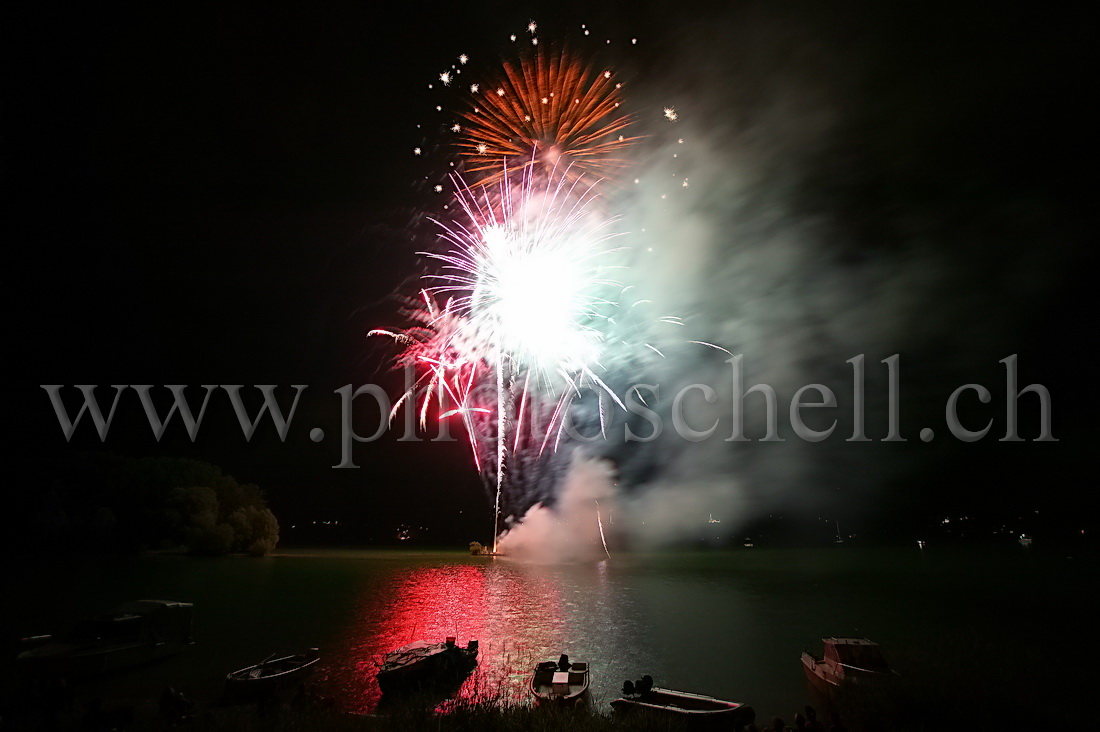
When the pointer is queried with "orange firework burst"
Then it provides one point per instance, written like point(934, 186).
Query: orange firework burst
point(550, 111)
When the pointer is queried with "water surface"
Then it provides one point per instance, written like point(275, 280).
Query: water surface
point(1002, 625)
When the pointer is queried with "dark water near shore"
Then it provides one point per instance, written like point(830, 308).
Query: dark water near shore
point(991, 627)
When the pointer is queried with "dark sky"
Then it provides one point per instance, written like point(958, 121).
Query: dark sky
point(227, 196)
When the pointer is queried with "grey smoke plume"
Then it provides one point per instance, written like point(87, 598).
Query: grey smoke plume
point(841, 199)
point(570, 530)
point(857, 183)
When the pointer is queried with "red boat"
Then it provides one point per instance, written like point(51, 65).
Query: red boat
point(846, 661)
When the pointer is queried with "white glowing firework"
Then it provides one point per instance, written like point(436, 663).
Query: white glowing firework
point(532, 267)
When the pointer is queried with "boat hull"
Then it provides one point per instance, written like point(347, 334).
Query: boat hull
point(847, 662)
point(697, 711)
point(75, 661)
point(818, 673)
point(133, 634)
point(424, 667)
point(269, 678)
point(550, 685)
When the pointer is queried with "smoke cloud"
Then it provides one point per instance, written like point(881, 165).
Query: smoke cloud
point(826, 191)
point(570, 530)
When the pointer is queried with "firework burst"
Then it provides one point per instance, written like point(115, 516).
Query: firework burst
point(530, 268)
point(528, 271)
point(527, 278)
point(550, 112)
point(531, 265)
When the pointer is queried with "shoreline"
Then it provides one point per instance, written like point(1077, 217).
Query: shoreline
point(730, 625)
point(304, 710)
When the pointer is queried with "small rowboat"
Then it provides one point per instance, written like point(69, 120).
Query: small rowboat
point(560, 681)
point(270, 676)
point(846, 662)
point(696, 710)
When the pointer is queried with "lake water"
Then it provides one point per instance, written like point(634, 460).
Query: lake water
point(985, 627)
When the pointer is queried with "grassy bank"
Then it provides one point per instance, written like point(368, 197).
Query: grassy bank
point(288, 718)
point(485, 718)
point(904, 708)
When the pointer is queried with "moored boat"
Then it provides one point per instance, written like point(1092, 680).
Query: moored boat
point(271, 676)
point(422, 665)
point(846, 661)
point(560, 681)
point(133, 634)
point(696, 710)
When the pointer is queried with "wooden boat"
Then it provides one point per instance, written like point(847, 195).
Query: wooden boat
point(422, 665)
point(696, 710)
point(270, 676)
point(133, 634)
point(846, 661)
point(560, 681)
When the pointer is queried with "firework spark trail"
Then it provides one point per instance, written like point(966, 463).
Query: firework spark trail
point(502, 427)
point(599, 522)
point(549, 112)
point(441, 347)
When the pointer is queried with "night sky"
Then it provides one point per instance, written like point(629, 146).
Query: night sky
point(229, 196)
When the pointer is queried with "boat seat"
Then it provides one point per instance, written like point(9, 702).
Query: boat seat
point(560, 683)
point(579, 666)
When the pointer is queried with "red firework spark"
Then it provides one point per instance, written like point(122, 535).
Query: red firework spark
point(440, 348)
point(550, 111)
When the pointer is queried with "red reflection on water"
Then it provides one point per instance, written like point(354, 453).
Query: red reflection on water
point(514, 616)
